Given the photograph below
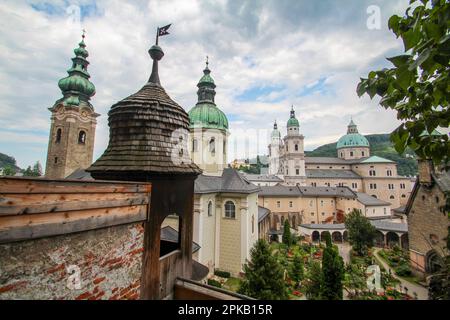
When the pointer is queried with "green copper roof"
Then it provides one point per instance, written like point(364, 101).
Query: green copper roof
point(376, 159)
point(353, 138)
point(77, 87)
point(206, 114)
point(293, 122)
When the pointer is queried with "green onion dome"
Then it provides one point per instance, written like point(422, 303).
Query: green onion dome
point(77, 87)
point(293, 122)
point(206, 114)
point(353, 138)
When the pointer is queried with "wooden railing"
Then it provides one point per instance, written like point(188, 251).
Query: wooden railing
point(36, 208)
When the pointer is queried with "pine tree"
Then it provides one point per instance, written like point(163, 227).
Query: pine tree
point(37, 169)
point(297, 272)
point(287, 237)
point(332, 272)
point(314, 282)
point(264, 277)
point(28, 172)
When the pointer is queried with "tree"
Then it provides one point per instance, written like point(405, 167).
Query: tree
point(314, 283)
point(417, 87)
point(28, 172)
point(361, 233)
point(297, 271)
point(37, 169)
point(8, 170)
point(332, 272)
point(355, 280)
point(287, 237)
point(264, 277)
point(439, 288)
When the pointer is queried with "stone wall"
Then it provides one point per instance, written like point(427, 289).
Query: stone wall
point(108, 262)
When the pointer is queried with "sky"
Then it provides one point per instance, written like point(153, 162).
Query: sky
point(265, 56)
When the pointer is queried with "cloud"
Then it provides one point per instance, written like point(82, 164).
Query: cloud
point(264, 56)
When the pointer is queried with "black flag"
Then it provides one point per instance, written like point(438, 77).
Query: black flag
point(163, 31)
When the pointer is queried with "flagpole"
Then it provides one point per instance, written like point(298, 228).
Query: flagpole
point(157, 35)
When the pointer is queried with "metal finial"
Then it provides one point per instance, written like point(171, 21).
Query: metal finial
point(84, 34)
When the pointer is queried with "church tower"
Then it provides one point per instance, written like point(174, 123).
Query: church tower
point(274, 150)
point(293, 160)
point(73, 121)
point(208, 130)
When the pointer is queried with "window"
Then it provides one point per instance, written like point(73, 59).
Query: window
point(342, 155)
point(212, 145)
point(362, 153)
point(402, 186)
point(194, 145)
point(290, 204)
point(403, 196)
point(312, 213)
point(297, 171)
point(253, 224)
point(58, 135)
point(351, 153)
point(314, 184)
point(82, 137)
point(391, 197)
point(56, 160)
point(210, 209)
point(385, 212)
point(437, 199)
point(224, 147)
point(323, 213)
point(296, 147)
point(372, 173)
point(287, 148)
point(321, 203)
point(389, 173)
point(391, 186)
point(230, 210)
point(310, 203)
point(278, 204)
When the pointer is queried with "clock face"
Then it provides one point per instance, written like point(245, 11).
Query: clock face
point(84, 114)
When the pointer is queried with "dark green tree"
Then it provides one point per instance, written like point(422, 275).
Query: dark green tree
point(297, 270)
point(263, 276)
point(8, 170)
point(313, 285)
point(37, 169)
point(332, 272)
point(287, 237)
point(361, 233)
point(28, 172)
point(417, 87)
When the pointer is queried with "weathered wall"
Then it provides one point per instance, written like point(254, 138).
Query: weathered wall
point(108, 260)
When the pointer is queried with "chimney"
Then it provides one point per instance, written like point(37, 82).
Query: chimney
point(425, 170)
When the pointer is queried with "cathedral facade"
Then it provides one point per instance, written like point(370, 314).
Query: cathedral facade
point(353, 167)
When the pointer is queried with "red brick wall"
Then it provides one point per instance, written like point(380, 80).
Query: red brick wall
point(108, 262)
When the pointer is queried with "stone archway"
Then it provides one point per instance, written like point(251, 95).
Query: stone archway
point(404, 239)
point(379, 239)
point(433, 262)
point(392, 239)
point(323, 235)
point(315, 236)
point(345, 236)
point(336, 237)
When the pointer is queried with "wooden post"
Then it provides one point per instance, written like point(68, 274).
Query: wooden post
point(187, 229)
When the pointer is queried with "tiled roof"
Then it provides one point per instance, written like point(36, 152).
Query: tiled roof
point(378, 224)
point(332, 173)
point(279, 191)
point(262, 177)
point(325, 160)
point(368, 200)
point(171, 235)
point(230, 182)
point(307, 191)
point(443, 180)
point(376, 159)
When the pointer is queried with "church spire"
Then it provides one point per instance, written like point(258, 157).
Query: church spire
point(206, 86)
point(352, 128)
point(77, 88)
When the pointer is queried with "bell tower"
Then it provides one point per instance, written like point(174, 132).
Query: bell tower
point(73, 121)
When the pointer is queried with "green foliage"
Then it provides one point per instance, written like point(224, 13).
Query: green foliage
point(287, 237)
point(297, 270)
point(214, 283)
point(36, 171)
point(223, 274)
point(355, 279)
point(9, 170)
point(418, 85)
point(263, 276)
point(332, 273)
point(313, 286)
point(361, 233)
point(380, 145)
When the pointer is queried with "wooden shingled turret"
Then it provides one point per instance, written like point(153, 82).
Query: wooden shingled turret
point(148, 143)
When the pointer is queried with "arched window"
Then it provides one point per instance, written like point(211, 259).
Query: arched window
point(224, 147)
point(362, 153)
point(194, 145)
point(391, 197)
point(212, 145)
point(58, 135)
point(403, 196)
point(210, 209)
point(230, 210)
point(253, 224)
point(296, 147)
point(82, 137)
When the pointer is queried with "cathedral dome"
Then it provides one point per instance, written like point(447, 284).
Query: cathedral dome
point(353, 138)
point(206, 114)
point(78, 84)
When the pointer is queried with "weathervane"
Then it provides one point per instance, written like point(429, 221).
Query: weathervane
point(84, 34)
point(162, 32)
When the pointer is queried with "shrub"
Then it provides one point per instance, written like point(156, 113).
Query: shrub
point(214, 283)
point(403, 270)
point(223, 274)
